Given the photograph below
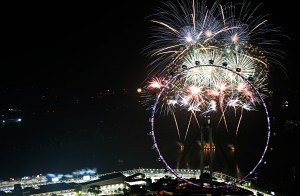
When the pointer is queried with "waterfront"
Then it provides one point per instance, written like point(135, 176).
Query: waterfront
point(139, 181)
point(71, 132)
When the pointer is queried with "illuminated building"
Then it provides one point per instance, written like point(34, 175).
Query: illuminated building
point(137, 181)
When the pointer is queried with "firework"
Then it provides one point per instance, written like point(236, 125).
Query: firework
point(208, 59)
point(231, 27)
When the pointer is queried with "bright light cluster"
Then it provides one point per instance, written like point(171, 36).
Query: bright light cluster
point(220, 50)
point(209, 58)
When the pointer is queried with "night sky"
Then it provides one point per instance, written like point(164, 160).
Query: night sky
point(78, 45)
point(86, 45)
point(58, 56)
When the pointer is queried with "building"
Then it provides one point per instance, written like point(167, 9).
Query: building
point(133, 182)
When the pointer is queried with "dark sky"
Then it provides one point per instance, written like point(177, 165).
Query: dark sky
point(94, 46)
point(73, 44)
point(82, 44)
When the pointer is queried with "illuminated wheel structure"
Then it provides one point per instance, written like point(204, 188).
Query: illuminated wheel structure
point(165, 88)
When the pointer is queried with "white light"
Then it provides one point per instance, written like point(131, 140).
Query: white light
point(189, 38)
point(54, 179)
point(86, 177)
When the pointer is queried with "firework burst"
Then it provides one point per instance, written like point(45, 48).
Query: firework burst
point(208, 59)
point(190, 37)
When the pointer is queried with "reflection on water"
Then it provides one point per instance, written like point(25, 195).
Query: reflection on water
point(224, 161)
point(224, 149)
point(231, 160)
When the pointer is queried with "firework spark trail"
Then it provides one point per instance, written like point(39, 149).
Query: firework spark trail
point(240, 119)
point(220, 55)
point(177, 128)
point(223, 117)
point(221, 94)
point(188, 127)
point(196, 119)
